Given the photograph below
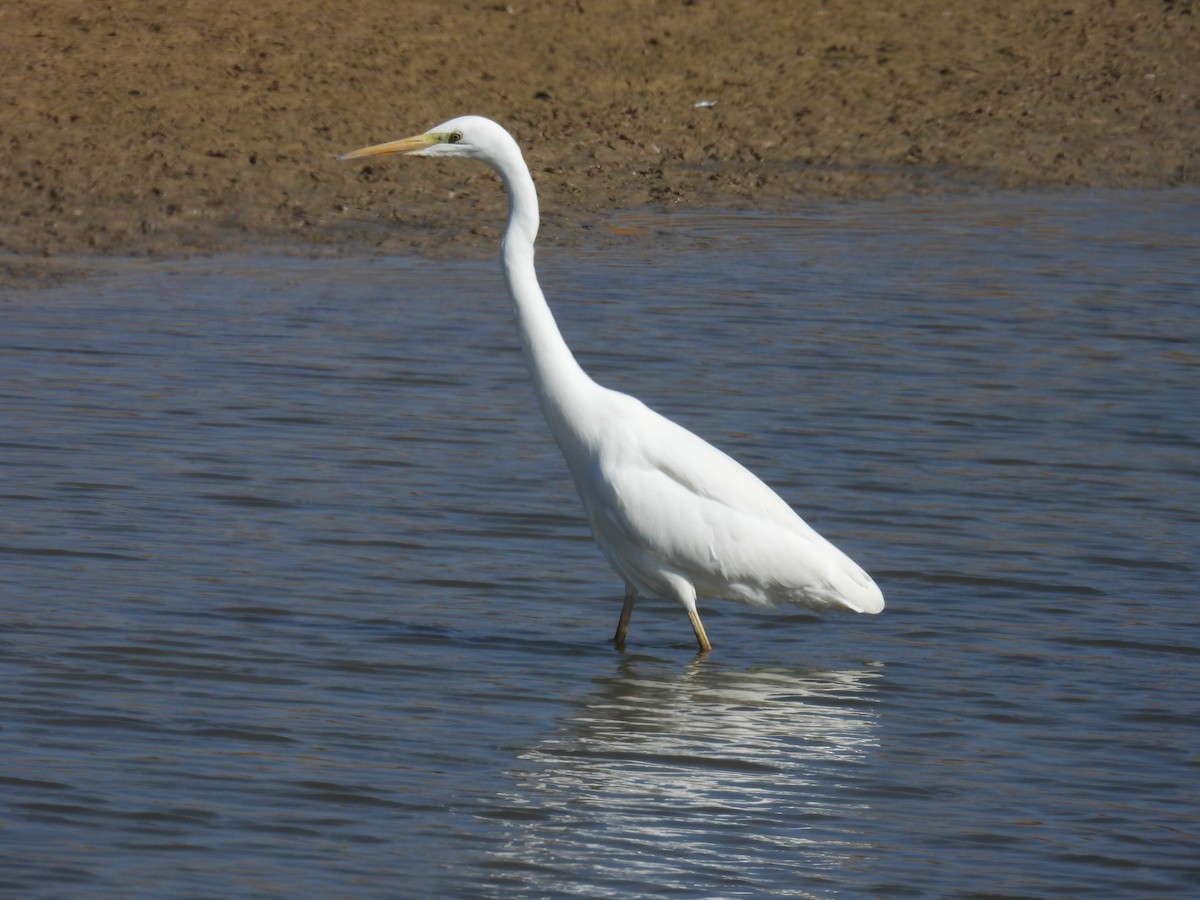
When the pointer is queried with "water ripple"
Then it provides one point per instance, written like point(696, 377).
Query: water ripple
point(296, 600)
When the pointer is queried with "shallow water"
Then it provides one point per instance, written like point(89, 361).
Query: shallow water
point(297, 600)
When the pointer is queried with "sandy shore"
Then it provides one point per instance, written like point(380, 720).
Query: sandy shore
point(200, 126)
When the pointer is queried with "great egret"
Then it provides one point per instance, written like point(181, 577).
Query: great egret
point(676, 517)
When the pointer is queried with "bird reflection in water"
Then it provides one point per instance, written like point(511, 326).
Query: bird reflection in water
point(664, 774)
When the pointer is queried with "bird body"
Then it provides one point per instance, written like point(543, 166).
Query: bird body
point(677, 517)
point(674, 516)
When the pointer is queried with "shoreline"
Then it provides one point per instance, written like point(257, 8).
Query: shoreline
point(599, 233)
point(172, 133)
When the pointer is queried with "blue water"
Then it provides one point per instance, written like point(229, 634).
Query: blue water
point(296, 598)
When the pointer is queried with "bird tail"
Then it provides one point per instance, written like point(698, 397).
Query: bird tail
point(858, 590)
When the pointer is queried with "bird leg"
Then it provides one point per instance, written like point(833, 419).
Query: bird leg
point(698, 627)
point(626, 612)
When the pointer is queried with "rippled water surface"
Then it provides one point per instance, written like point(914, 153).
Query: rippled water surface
point(296, 599)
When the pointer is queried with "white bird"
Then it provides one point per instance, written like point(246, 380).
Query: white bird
point(676, 517)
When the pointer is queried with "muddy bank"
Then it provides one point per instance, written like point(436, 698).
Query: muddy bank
point(172, 128)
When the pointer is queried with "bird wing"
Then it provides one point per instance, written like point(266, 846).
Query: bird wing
point(664, 499)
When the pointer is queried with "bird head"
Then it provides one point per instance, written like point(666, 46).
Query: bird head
point(468, 137)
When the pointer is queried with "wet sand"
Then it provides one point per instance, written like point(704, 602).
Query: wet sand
point(176, 128)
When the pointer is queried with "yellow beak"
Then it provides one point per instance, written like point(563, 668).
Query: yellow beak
point(407, 145)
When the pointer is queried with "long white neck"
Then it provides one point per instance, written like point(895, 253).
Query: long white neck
point(559, 380)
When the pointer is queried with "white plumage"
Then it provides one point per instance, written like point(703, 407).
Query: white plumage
point(675, 516)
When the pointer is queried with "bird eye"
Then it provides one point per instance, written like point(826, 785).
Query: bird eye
point(454, 138)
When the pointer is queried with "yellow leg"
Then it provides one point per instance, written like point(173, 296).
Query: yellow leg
point(626, 612)
point(698, 627)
